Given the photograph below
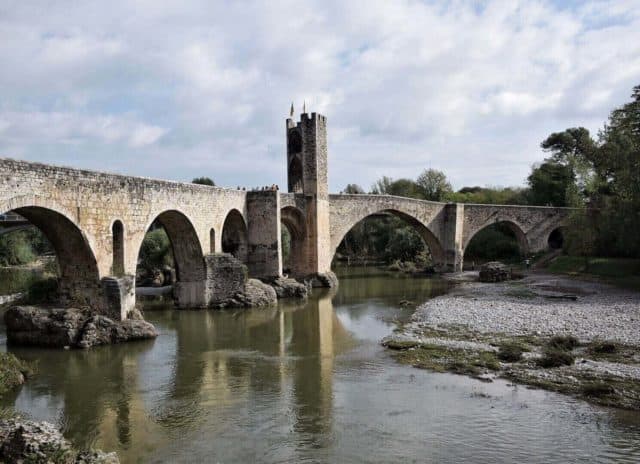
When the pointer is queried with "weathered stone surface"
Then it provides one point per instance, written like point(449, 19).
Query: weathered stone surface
point(100, 330)
point(34, 442)
point(96, 222)
point(323, 279)
point(289, 288)
point(58, 328)
point(256, 293)
point(226, 277)
point(494, 271)
point(25, 441)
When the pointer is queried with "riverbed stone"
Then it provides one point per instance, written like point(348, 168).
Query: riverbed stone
point(323, 279)
point(494, 271)
point(256, 293)
point(71, 327)
point(287, 287)
point(25, 441)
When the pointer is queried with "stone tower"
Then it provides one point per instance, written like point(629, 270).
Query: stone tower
point(307, 178)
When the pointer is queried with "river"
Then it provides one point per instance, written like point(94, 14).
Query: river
point(306, 382)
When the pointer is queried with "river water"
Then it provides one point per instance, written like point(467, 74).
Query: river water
point(306, 383)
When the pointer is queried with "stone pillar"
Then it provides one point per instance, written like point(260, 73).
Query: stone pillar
point(226, 276)
point(120, 296)
point(453, 237)
point(263, 230)
point(190, 294)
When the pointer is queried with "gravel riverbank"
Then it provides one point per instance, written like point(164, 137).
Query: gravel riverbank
point(554, 332)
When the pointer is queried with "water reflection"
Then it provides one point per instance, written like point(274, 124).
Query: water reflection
point(304, 382)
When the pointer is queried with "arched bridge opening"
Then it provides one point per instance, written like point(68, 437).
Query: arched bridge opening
point(69, 266)
point(501, 240)
point(234, 236)
point(171, 254)
point(392, 237)
point(293, 236)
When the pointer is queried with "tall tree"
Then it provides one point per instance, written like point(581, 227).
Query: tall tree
point(550, 183)
point(433, 185)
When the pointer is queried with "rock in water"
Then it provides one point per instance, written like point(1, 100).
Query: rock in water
point(30, 325)
point(256, 293)
point(323, 279)
point(287, 287)
point(41, 443)
point(37, 442)
point(494, 271)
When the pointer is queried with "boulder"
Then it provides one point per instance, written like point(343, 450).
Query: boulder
point(42, 443)
point(37, 442)
point(31, 325)
point(494, 271)
point(287, 287)
point(323, 279)
point(256, 293)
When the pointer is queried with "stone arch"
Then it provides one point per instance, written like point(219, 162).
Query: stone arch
point(187, 252)
point(294, 220)
point(79, 275)
point(429, 238)
point(118, 244)
point(235, 236)
point(516, 228)
point(555, 238)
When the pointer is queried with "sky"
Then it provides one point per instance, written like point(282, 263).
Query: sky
point(182, 89)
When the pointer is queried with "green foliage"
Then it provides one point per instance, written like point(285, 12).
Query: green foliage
point(203, 181)
point(563, 342)
point(156, 250)
point(12, 372)
point(285, 239)
point(489, 196)
point(496, 241)
point(433, 185)
point(399, 187)
point(555, 358)
point(23, 246)
point(353, 189)
point(550, 183)
point(510, 352)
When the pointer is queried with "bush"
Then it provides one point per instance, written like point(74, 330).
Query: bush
point(155, 251)
point(510, 352)
point(597, 389)
point(555, 358)
point(12, 372)
point(563, 342)
point(603, 347)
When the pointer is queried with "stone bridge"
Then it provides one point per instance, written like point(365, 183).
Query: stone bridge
point(96, 223)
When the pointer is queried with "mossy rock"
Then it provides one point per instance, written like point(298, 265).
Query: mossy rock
point(13, 372)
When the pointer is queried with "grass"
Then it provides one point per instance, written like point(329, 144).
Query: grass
point(563, 342)
point(622, 272)
point(13, 371)
point(440, 358)
point(510, 352)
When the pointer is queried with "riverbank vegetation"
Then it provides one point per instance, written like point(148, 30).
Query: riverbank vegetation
point(13, 372)
point(600, 176)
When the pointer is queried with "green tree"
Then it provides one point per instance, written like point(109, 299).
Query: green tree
point(353, 189)
point(204, 181)
point(550, 183)
point(433, 185)
point(399, 187)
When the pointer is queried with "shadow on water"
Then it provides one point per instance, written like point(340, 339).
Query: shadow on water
point(305, 382)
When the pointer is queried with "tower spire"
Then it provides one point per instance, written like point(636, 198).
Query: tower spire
point(291, 111)
point(304, 106)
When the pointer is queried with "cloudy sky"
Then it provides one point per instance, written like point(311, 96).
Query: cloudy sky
point(179, 89)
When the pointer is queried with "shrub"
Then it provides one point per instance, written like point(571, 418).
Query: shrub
point(563, 342)
point(554, 357)
point(603, 347)
point(510, 352)
point(598, 388)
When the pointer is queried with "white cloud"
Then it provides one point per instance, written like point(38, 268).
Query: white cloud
point(180, 89)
